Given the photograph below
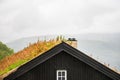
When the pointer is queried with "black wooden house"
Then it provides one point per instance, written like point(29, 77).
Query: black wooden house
point(63, 62)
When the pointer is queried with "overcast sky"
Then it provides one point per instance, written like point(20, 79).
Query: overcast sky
point(23, 18)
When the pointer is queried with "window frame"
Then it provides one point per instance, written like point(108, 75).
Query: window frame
point(61, 76)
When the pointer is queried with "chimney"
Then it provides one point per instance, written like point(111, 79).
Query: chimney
point(72, 42)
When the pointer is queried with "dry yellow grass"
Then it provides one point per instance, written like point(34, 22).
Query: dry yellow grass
point(23, 56)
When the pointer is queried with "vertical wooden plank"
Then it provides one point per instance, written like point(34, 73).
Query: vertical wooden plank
point(76, 70)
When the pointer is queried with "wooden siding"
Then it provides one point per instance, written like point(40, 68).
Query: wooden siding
point(76, 69)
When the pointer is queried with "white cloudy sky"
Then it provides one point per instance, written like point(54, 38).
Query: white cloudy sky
point(22, 18)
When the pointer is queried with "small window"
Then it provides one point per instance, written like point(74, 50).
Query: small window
point(61, 75)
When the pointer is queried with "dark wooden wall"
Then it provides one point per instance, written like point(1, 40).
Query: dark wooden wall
point(76, 70)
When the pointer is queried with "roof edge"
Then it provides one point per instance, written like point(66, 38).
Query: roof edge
point(70, 50)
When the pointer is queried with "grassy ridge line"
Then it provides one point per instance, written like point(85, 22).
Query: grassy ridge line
point(23, 56)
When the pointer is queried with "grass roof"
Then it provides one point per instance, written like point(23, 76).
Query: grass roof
point(33, 50)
